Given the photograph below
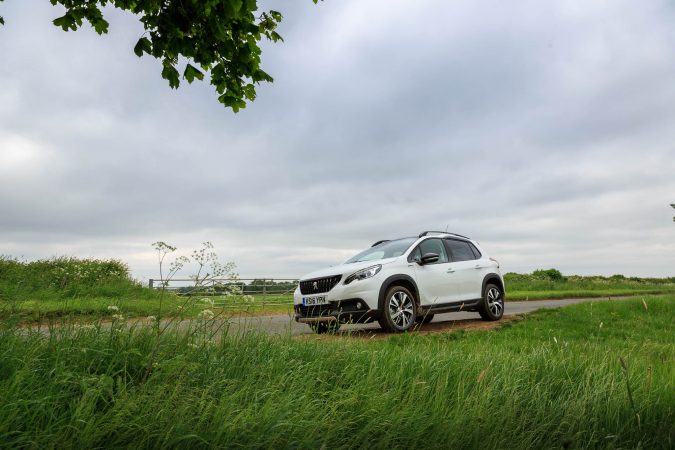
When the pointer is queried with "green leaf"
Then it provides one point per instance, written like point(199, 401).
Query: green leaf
point(261, 75)
point(249, 91)
point(143, 45)
point(191, 72)
point(232, 101)
point(236, 6)
point(66, 22)
point(170, 73)
point(101, 26)
point(251, 5)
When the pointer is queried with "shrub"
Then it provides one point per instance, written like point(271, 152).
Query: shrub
point(551, 274)
point(64, 277)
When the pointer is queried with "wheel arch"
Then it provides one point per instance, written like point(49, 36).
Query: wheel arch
point(493, 278)
point(397, 280)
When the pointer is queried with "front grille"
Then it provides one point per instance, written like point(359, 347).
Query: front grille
point(314, 311)
point(319, 285)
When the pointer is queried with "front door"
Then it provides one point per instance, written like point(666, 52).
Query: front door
point(435, 281)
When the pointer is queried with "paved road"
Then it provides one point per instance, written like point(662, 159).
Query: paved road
point(285, 324)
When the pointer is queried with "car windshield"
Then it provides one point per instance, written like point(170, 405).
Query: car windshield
point(388, 249)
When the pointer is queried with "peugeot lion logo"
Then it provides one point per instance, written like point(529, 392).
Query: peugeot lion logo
point(315, 285)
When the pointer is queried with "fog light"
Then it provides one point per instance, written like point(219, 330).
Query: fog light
point(358, 305)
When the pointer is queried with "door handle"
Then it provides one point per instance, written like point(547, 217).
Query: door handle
point(477, 266)
point(450, 270)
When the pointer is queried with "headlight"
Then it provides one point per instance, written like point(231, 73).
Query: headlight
point(363, 274)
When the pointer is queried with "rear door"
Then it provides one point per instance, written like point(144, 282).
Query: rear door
point(434, 281)
point(468, 270)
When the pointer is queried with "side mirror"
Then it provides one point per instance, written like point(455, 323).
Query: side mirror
point(428, 258)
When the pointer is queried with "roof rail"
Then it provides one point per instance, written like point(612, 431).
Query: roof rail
point(380, 242)
point(425, 233)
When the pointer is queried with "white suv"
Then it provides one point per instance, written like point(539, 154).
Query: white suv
point(401, 282)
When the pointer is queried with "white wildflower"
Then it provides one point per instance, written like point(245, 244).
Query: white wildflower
point(152, 318)
point(208, 301)
point(113, 308)
point(117, 317)
point(206, 314)
point(191, 345)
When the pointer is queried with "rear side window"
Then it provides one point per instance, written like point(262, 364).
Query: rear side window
point(460, 250)
point(476, 252)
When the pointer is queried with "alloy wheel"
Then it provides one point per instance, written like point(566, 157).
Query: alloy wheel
point(401, 309)
point(495, 302)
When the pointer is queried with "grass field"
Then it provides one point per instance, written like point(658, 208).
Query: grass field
point(554, 379)
point(86, 289)
point(89, 308)
point(550, 283)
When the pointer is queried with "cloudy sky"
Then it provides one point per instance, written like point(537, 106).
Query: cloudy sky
point(545, 130)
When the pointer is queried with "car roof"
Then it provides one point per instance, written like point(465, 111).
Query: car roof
point(427, 234)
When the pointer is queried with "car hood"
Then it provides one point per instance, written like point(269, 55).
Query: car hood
point(345, 269)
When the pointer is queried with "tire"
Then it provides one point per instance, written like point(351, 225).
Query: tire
point(324, 327)
point(424, 319)
point(399, 310)
point(492, 306)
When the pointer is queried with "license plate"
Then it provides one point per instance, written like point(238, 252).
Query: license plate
point(312, 301)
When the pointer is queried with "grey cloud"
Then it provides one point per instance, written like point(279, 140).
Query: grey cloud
point(540, 129)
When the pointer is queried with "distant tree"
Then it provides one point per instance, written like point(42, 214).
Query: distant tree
point(217, 37)
point(551, 274)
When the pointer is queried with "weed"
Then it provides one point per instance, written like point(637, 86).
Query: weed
point(77, 387)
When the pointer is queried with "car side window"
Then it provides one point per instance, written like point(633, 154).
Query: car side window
point(430, 246)
point(460, 250)
point(476, 252)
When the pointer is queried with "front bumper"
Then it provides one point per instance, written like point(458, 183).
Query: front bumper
point(354, 302)
point(353, 310)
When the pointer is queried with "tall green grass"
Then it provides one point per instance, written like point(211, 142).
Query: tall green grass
point(552, 380)
point(71, 286)
point(67, 278)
